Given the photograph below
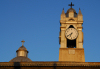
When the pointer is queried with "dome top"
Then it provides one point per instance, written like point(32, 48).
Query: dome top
point(20, 59)
point(71, 9)
point(22, 48)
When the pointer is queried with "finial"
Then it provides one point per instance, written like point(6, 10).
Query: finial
point(79, 11)
point(22, 42)
point(63, 11)
point(71, 5)
point(63, 8)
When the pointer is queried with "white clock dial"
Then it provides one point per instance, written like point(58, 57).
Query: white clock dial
point(71, 33)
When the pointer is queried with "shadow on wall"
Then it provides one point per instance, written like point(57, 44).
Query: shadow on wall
point(54, 65)
point(17, 65)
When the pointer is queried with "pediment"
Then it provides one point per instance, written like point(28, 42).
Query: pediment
point(71, 19)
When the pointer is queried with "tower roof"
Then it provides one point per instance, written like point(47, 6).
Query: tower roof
point(71, 9)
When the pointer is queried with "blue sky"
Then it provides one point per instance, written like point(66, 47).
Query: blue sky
point(38, 23)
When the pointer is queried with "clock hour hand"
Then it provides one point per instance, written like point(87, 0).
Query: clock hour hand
point(69, 34)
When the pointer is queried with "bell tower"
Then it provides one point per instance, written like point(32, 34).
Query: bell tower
point(71, 36)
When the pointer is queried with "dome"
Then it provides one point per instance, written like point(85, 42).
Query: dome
point(22, 48)
point(22, 55)
point(20, 59)
point(70, 9)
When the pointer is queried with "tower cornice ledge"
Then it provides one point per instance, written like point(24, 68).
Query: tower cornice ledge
point(79, 28)
point(80, 22)
point(71, 22)
point(62, 21)
point(62, 27)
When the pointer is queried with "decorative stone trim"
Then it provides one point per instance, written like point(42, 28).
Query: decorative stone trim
point(6, 64)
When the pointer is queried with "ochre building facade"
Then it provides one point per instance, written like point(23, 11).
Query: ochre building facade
point(71, 51)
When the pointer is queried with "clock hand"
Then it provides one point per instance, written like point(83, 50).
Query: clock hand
point(69, 34)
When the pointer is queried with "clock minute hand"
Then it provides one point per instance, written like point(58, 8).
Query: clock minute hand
point(71, 33)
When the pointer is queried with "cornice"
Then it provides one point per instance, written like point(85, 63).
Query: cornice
point(7, 64)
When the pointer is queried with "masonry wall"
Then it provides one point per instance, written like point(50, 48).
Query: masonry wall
point(54, 67)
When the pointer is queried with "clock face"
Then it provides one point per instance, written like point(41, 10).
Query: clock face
point(71, 33)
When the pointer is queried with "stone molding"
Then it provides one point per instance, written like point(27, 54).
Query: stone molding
point(8, 64)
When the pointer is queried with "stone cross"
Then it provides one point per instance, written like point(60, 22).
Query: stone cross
point(22, 42)
point(71, 5)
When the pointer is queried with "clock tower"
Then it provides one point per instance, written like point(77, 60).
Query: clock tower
point(71, 36)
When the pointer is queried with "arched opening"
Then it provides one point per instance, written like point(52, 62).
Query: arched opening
point(71, 43)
